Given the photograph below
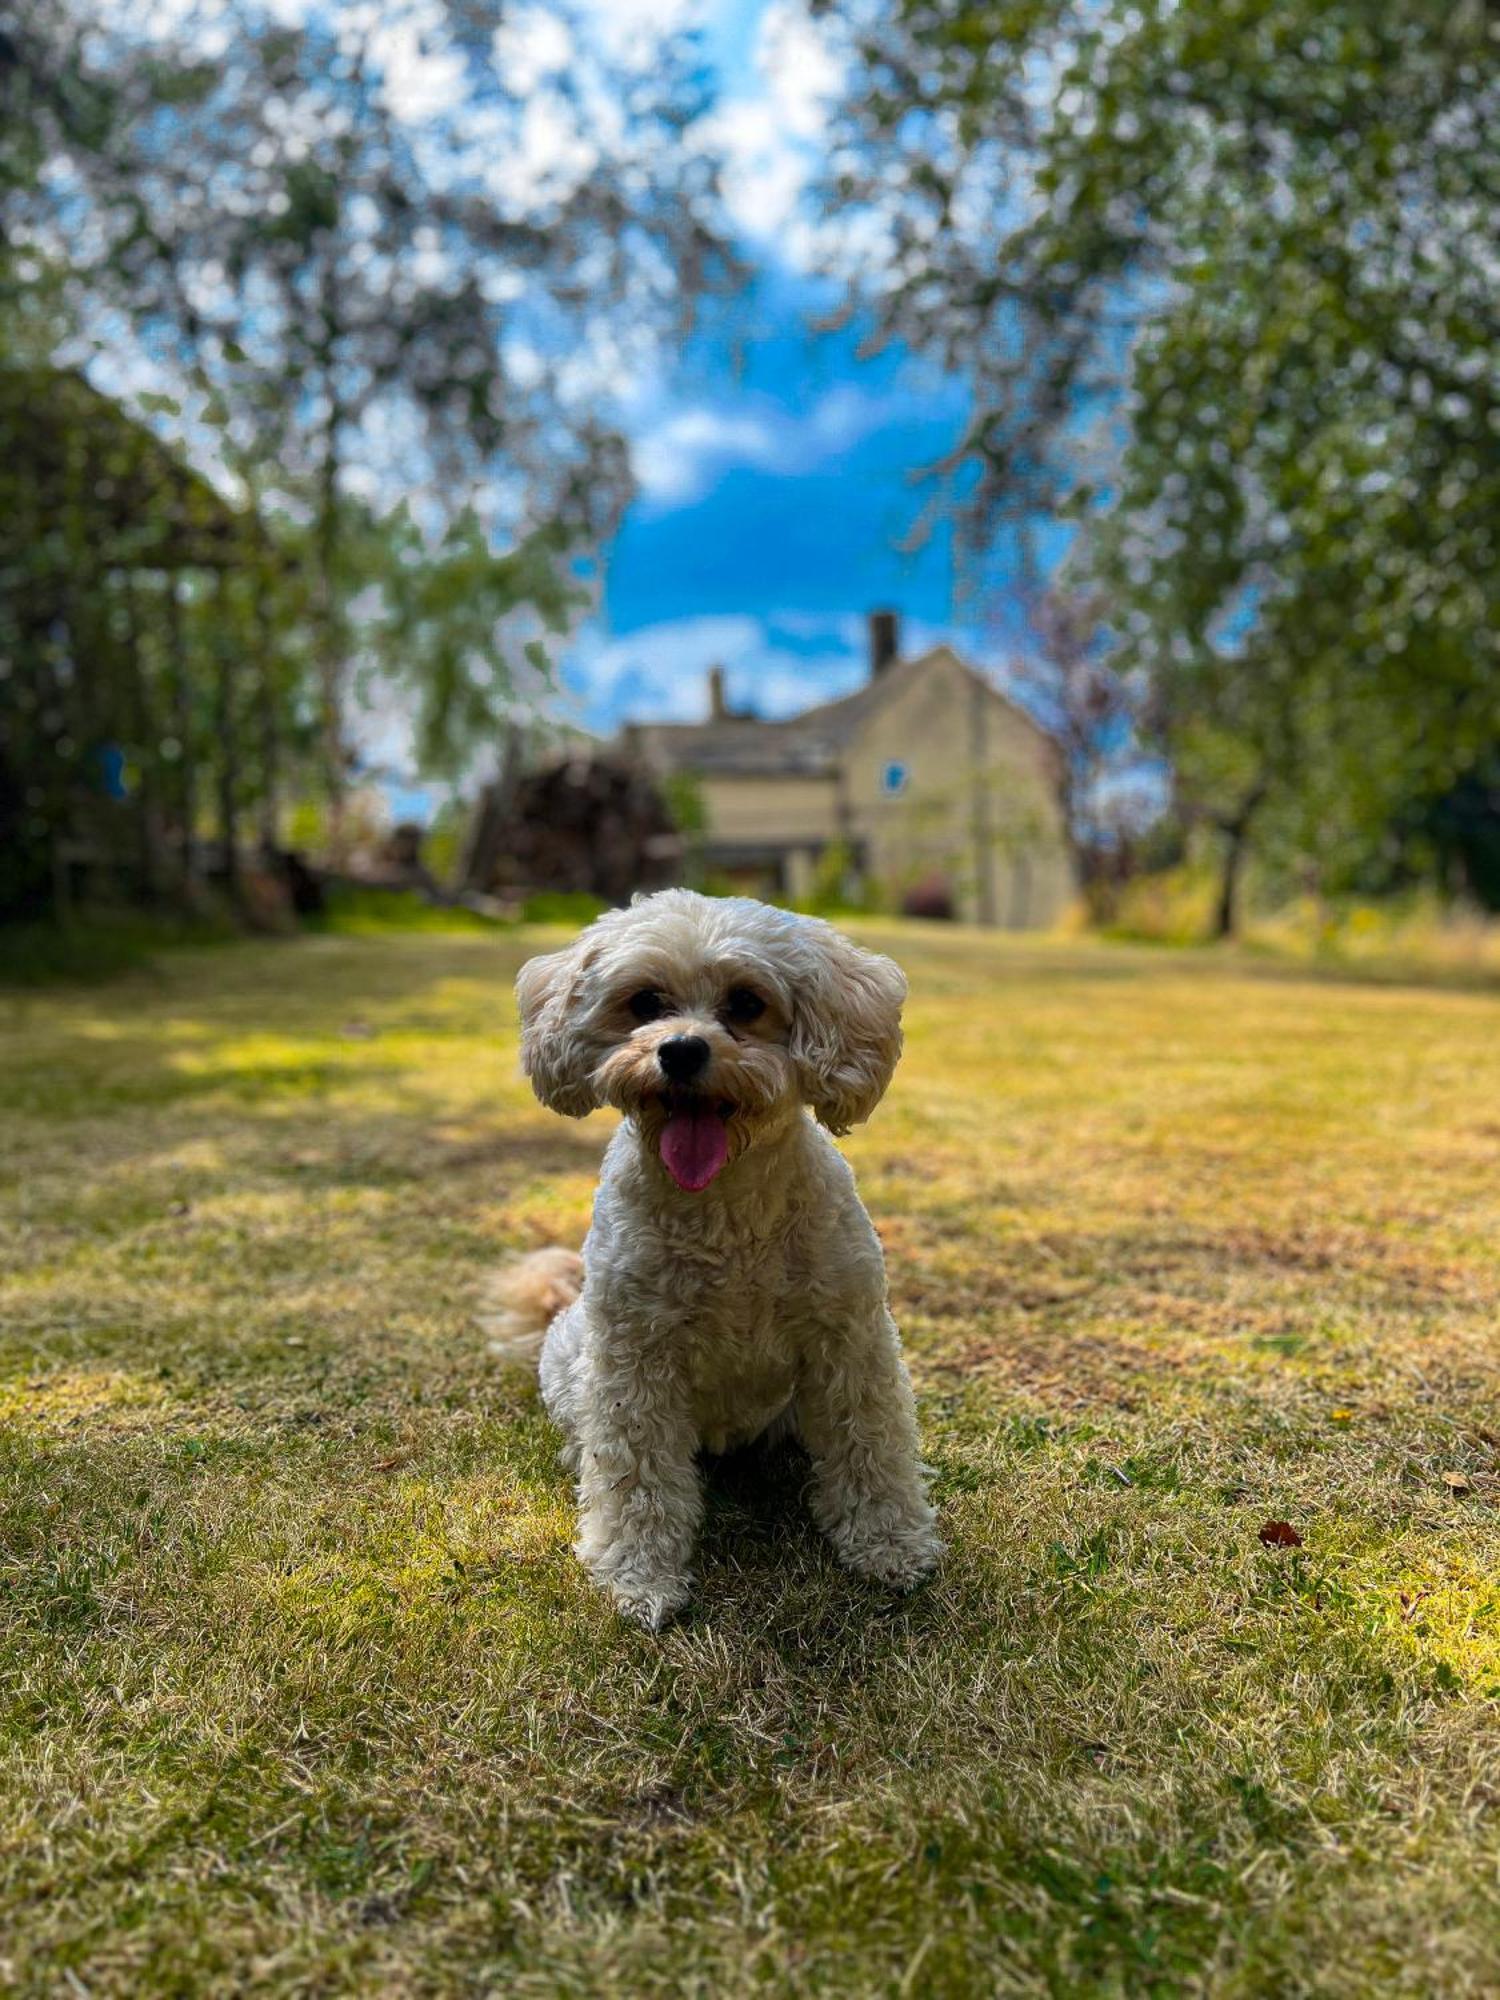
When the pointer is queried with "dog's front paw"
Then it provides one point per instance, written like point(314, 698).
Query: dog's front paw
point(650, 1601)
point(900, 1554)
point(649, 1592)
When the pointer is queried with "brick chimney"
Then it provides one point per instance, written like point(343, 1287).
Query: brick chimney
point(885, 640)
point(718, 699)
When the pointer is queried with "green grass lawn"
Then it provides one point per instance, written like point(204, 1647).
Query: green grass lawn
point(302, 1690)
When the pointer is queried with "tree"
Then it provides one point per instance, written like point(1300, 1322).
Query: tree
point(1068, 680)
point(451, 621)
point(48, 109)
point(1221, 277)
point(123, 642)
point(403, 253)
point(150, 680)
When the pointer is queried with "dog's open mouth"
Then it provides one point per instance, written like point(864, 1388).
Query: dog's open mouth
point(695, 1138)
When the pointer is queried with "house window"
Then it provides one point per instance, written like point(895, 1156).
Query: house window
point(893, 779)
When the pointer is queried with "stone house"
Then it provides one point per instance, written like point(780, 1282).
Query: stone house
point(926, 784)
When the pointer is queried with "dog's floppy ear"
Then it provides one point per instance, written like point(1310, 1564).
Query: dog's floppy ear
point(557, 1057)
point(846, 1029)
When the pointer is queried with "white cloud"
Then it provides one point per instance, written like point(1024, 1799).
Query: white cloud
point(659, 672)
point(773, 132)
point(673, 460)
point(765, 171)
point(548, 154)
point(846, 414)
point(531, 44)
point(678, 457)
point(628, 29)
point(420, 81)
point(802, 72)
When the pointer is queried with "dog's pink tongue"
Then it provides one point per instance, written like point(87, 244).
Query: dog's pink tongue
point(694, 1145)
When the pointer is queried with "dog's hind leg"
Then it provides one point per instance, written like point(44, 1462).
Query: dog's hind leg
point(564, 1377)
point(533, 1316)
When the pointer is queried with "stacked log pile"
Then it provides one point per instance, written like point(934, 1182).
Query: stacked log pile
point(590, 824)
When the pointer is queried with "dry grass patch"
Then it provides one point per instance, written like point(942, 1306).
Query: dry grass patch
point(301, 1688)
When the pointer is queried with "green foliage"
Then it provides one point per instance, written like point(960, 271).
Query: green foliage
point(1222, 279)
point(358, 305)
point(137, 644)
point(838, 888)
point(444, 841)
point(446, 633)
point(1452, 836)
point(1406, 934)
point(683, 797)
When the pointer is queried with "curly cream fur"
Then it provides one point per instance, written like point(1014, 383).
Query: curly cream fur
point(708, 1319)
point(521, 1301)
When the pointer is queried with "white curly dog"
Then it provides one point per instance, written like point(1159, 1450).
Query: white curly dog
point(731, 1286)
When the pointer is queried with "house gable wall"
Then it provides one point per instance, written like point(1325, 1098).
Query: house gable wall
point(953, 738)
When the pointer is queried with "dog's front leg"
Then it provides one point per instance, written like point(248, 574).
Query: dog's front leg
point(639, 1493)
point(858, 1420)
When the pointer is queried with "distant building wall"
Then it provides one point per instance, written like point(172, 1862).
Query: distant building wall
point(948, 779)
point(749, 809)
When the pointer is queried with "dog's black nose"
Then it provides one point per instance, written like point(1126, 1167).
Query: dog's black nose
point(683, 1057)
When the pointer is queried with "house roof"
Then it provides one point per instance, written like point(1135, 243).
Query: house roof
point(808, 745)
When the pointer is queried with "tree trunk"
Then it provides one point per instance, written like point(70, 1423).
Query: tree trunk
point(224, 721)
point(182, 719)
point(1236, 831)
point(145, 739)
point(330, 659)
point(265, 688)
point(330, 622)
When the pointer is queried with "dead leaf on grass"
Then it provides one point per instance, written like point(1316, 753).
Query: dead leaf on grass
point(1280, 1535)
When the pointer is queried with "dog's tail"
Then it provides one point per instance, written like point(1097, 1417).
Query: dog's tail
point(522, 1298)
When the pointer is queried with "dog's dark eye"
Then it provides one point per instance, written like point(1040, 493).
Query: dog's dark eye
point(743, 1006)
point(647, 1005)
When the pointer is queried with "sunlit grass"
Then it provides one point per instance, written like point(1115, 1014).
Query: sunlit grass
point(303, 1691)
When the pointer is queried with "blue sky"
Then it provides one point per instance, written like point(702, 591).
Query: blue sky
point(777, 470)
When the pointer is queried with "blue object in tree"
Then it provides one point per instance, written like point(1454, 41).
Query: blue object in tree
point(112, 771)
